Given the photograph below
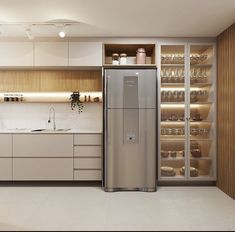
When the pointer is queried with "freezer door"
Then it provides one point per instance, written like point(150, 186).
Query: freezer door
point(130, 88)
point(130, 149)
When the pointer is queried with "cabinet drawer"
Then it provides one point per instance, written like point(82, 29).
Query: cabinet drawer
point(88, 139)
point(5, 169)
point(5, 145)
point(42, 169)
point(87, 151)
point(88, 175)
point(42, 145)
point(87, 163)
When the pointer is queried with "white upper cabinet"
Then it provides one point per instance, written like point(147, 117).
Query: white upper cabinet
point(85, 54)
point(51, 54)
point(16, 54)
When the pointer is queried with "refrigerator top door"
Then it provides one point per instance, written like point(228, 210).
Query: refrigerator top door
point(130, 88)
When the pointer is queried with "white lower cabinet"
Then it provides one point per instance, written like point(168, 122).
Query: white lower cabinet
point(43, 145)
point(87, 163)
point(44, 169)
point(87, 139)
point(88, 175)
point(88, 157)
point(87, 151)
point(5, 145)
point(50, 157)
point(5, 169)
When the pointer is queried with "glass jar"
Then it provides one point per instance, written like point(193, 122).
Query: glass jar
point(115, 58)
point(141, 56)
point(123, 58)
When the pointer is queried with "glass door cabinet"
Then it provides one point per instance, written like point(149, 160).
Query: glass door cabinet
point(187, 113)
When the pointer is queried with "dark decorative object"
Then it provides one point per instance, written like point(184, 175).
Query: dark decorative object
point(76, 102)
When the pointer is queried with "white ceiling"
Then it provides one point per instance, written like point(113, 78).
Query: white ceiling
point(121, 18)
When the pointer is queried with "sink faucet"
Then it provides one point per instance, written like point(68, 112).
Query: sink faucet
point(52, 110)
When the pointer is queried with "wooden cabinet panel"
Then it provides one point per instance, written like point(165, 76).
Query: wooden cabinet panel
point(51, 54)
point(5, 145)
point(19, 81)
point(87, 151)
point(16, 54)
point(226, 111)
point(88, 139)
point(29, 169)
point(42, 145)
point(62, 81)
point(85, 54)
point(88, 175)
point(5, 169)
point(87, 163)
point(50, 81)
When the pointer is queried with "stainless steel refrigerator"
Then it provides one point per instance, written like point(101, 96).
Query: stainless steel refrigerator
point(130, 121)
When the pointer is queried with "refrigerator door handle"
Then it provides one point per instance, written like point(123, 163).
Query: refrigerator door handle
point(108, 126)
point(107, 91)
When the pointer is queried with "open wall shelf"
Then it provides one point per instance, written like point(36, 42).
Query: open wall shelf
point(48, 97)
point(130, 50)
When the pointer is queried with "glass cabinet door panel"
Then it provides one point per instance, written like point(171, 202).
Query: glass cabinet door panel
point(172, 119)
point(202, 112)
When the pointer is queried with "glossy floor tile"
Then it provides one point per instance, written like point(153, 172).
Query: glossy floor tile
point(89, 208)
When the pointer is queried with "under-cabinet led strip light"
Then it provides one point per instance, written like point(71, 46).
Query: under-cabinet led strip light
point(52, 97)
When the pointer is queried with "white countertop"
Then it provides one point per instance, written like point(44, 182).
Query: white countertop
point(29, 131)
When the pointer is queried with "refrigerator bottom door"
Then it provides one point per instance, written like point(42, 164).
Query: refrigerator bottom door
point(130, 149)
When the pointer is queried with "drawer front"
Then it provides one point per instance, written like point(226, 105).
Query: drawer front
point(87, 151)
point(42, 145)
point(5, 145)
point(88, 175)
point(88, 139)
point(27, 169)
point(87, 163)
point(5, 169)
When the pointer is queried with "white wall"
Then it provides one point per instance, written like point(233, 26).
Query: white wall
point(35, 115)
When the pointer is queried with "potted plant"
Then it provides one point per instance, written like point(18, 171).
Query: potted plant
point(75, 99)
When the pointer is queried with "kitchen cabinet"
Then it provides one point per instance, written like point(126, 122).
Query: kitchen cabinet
point(187, 116)
point(87, 139)
point(88, 157)
point(85, 54)
point(88, 175)
point(5, 169)
point(42, 169)
point(87, 163)
point(5, 157)
point(87, 151)
point(5, 146)
point(42, 145)
point(16, 54)
point(43, 157)
point(51, 54)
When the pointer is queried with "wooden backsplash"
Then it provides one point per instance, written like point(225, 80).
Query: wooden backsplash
point(226, 111)
point(50, 81)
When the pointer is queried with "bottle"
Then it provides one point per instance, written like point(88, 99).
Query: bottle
point(123, 59)
point(141, 56)
point(115, 59)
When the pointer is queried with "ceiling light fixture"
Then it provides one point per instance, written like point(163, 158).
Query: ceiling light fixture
point(62, 34)
point(60, 24)
point(29, 33)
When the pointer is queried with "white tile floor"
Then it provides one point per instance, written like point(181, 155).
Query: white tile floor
point(89, 208)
